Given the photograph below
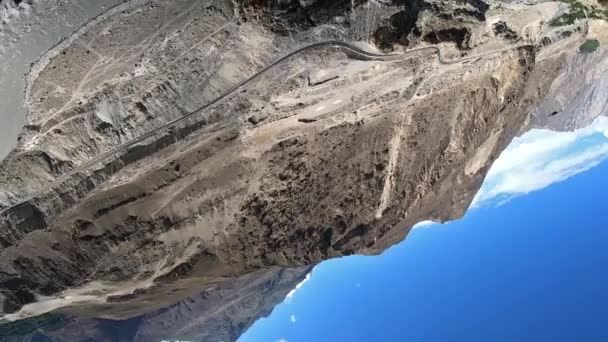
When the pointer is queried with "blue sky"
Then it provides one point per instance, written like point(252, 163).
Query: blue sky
point(528, 263)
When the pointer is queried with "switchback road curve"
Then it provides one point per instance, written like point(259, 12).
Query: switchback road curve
point(358, 53)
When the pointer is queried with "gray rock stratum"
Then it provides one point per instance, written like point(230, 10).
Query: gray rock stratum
point(167, 152)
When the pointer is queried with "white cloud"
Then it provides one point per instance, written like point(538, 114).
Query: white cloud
point(540, 158)
point(281, 340)
point(292, 318)
point(293, 292)
point(423, 224)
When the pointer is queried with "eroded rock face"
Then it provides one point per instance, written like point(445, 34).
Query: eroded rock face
point(283, 171)
point(567, 110)
point(391, 23)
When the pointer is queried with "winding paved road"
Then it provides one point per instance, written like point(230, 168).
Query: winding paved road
point(331, 43)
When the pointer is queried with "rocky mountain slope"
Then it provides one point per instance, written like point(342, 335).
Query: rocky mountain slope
point(126, 186)
point(26, 33)
point(221, 313)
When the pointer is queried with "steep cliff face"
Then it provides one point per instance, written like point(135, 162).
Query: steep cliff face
point(132, 180)
point(579, 95)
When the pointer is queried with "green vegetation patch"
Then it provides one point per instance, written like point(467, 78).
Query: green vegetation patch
point(589, 46)
point(578, 11)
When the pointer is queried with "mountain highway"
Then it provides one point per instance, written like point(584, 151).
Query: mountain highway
point(354, 50)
